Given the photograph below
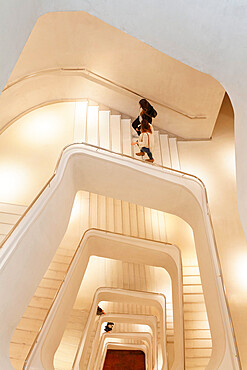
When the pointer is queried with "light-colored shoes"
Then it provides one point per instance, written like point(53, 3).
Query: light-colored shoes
point(140, 154)
point(149, 160)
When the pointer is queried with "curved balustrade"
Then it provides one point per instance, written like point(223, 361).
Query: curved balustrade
point(111, 245)
point(33, 242)
point(144, 338)
point(119, 295)
point(151, 321)
point(86, 72)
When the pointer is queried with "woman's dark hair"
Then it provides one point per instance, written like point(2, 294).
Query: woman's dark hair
point(144, 104)
point(147, 108)
point(145, 126)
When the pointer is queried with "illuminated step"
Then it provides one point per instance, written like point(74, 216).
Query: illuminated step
point(126, 136)
point(115, 133)
point(165, 151)
point(157, 150)
point(104, 129)
point(92, 125)
point(193, 334)
point(174, 153)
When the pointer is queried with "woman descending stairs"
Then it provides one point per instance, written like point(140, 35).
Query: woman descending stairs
point(100, 127)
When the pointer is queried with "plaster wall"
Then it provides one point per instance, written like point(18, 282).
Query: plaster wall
point(214, 162)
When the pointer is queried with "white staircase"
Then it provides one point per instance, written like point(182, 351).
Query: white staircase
point(111, 131)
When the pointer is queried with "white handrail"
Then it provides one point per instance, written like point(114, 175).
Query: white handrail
point(143, 337)
point(87, 72)
point(148, 320)
point(120, 295)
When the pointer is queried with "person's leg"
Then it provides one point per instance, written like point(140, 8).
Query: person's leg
point(147, 150)
point(137, 126)
point(141, 153)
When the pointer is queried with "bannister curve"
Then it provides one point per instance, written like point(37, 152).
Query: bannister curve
point(87, 72)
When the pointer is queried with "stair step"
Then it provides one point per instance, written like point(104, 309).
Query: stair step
point(196, 315)
point(126, 136)
point(40, 302)
point(197, 352)
point(193, 298)
point(140, 221)
point(191, 280)
point(19, 351)
point(92, 125)
point(191, 270)
point(197, 334)
point(8, 218)
point(197, 362)
point(196, 324)
point(102, 212)
point(104, 129)
point(174, 153)
point(45, 292)
point(194, 307)
point(17, 364)
point(23, 337)
point(55, 266)
point(115, 133)
point(49, 283)
point(65, 252)
point(5, 228)
point(165, 151)
point(194, 289)
point(198, 343)
point(35, 313)
point(54, 275)
point(58, 258)
point(29, 324)
point(12, 208)
point(156, 150)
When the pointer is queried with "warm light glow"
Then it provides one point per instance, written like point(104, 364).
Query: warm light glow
point(13, 182)
point(45, 125)
point(41, 126)
point(241, 271)
point(228, 161)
